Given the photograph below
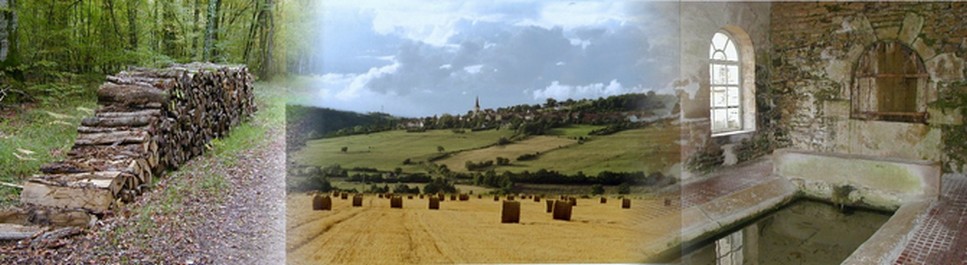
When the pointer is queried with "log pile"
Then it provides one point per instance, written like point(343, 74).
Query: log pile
point(149, 121)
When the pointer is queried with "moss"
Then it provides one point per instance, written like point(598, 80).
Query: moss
point(841, 195)
point(706, 159)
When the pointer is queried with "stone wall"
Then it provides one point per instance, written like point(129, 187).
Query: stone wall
point(699, 22)
point(815, 47)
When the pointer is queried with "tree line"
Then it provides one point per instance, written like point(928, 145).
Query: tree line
point(56, 40)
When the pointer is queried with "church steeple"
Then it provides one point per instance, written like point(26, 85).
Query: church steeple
point(476, 106)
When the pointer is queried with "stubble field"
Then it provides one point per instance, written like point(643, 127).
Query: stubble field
point(471, 232)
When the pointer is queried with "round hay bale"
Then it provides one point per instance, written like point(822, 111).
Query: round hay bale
point(550, 205)
point(496, 198)
point(453, 197)
point(604, 200)
point(625, 203)
point(409, 197)
point(434, 203)
point(440, 196)
point(562, 210)
point(344, 195)
point(479, 196)
point(537, 198)
point(358, 201)
point(396, 202)
point(321, 203)
point(380, 195)
point(421, 196)
point(510, 197)
point(510, 212)
point(574, 201)
point(464, 197)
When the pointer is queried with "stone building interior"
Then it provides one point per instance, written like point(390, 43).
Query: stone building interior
point(859, 105)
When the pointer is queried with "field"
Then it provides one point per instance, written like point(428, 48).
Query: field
point(347, 185)
point(649, 149)
point(387, 150)
point(574, 130)
point(512, 151)
point(377, 234)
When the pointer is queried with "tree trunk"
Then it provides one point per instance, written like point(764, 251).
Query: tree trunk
point(267, 43)
point(133, 24)
point(211, 31)
point(9, 57)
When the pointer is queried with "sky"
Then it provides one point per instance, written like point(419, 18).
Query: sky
point(424, 58)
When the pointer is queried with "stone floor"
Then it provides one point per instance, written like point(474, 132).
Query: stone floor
point(941, 236)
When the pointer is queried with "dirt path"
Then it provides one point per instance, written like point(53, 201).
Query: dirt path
point(217, 209)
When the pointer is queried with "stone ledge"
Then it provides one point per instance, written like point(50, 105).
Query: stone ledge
point(884, 246)
point(884, 183)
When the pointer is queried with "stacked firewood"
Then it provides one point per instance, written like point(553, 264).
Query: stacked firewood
point(150, 120)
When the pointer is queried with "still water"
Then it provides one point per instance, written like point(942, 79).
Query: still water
point(805, 232)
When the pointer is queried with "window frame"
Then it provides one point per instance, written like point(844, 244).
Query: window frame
point(871, 76)
point(739, 87)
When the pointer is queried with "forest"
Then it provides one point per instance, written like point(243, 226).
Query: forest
point(49, 47)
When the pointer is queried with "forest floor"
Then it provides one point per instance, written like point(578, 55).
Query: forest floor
point(224, 207)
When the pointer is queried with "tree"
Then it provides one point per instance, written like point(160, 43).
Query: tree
point(344, 149)
point(624, 188)
point(439, 149)
point(597, 189)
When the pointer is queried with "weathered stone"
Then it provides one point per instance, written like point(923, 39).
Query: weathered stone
point(944, 116)
point(887, 33)
point(912, 24)
point(923, 49)
point(836, 108)
point(946, 67)
point(886, 183)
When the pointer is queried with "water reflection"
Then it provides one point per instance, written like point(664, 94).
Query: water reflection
point(806, 232)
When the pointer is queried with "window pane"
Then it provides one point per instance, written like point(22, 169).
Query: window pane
point(719, 40)
point(733, 96)
point(719, 74)
point(731, 52)
point(718, 97)
point(733, 118)
point(719, 121)
point(733, 74)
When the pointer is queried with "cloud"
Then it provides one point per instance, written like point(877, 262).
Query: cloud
point(473, 69)
point(346, 87)
point(562, 92)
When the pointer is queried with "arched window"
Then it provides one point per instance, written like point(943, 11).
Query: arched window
point(890, 84)
point(725, 84)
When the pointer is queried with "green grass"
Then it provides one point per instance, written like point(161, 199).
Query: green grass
point(649, 149)
point(572, 131)
point(542, 144)
point(387, 150)
point(41, 134)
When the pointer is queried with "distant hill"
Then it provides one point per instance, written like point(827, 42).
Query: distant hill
point(306, 122)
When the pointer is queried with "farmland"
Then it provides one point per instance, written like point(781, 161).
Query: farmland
point(646, 149)
point(377, 234)
point(387, 150)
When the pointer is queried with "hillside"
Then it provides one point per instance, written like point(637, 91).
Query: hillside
point(304, 123)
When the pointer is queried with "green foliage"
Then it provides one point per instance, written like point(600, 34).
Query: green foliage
point(438, 185)
point(597, 189)
point(841, 194)
point(403, 188)
point(624, 188)
point(706, 159)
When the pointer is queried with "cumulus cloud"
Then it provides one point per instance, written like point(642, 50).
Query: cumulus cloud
point(556, 90)
point(490, 49)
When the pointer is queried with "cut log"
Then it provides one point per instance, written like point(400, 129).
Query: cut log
point(97, 200)
point(133, 121)
point(112, 138)
point(110, 93)
point(18, 232)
